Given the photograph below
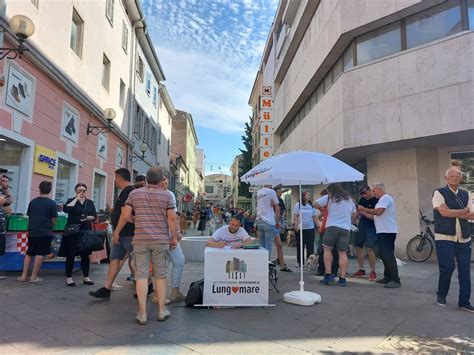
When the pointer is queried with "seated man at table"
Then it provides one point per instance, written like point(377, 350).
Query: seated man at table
point(232, 234)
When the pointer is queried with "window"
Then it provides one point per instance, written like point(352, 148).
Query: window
point(11, 159)
point(320, 91)
point(105, 72)
point(153, 140)
point(140, 68)
point(159, 134)
point(337, 69)
point(65, 181)
point(148, 83)
point(137, 123)
point(155, 95)
point(347, 58)
point(109, 11)
point(327, 82)
point(125, 36)
point(434, 23)
point(379, 43)
point(169, 146)
point(77, 31)
point(98, 194)
point(147, 131)
point(209, 189)
point(470, 12)
point(123, 94)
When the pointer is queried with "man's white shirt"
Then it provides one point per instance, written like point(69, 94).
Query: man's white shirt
point(223, 234)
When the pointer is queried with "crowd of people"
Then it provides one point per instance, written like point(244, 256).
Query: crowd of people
point(147, 229)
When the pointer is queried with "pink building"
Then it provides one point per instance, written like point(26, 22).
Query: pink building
point(43, 134)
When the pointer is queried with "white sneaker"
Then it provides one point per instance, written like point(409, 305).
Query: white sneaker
point(163, 315)
point(116, 287)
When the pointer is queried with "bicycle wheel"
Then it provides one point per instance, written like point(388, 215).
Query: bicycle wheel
point(419, 248)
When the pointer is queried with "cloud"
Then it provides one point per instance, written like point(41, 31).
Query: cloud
point(210, 51)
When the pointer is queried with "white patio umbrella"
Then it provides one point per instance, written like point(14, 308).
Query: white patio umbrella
point(301, 168)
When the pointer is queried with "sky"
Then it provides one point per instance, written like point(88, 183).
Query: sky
point(210, 52)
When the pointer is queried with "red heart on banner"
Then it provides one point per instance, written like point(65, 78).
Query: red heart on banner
point(235, 289)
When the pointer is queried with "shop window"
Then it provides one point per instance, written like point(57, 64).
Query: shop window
point(98, 193)
point(77, 31)
point(10, 159)
point(470, 13)
point(432, 24)
point(65, 181)
point(379, 43)
point(466, 161)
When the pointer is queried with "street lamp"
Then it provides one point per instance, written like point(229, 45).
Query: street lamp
point(23, 28)
point(135, 157)
point(109, 115)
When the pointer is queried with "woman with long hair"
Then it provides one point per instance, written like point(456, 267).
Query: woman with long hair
point(81, 212)
point(341, 211)
point(309, 220)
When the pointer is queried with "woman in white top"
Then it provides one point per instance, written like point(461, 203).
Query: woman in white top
point(341, 212)
point(309, 221)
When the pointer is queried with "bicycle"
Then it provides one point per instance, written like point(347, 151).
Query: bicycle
point(421, 246)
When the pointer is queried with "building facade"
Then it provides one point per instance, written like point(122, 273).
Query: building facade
point(55, 92)
point(237, 200)
point(217, 188)
point(385, 86)
point(183, 146)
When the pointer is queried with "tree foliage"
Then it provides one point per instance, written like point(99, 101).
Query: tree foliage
point(245, 163)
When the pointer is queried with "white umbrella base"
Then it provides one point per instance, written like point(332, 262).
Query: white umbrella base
point(302, 298)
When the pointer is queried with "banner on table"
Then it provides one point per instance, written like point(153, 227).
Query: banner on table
point(235, 277)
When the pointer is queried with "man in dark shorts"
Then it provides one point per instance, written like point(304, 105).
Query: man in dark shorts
point(122, 247)
point(42, 213)
point(366, 235)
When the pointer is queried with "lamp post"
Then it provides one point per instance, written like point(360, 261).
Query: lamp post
point(135, 157)
point(109, 115)
point(23, 28)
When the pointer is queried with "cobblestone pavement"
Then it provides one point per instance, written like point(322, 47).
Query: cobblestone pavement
point(49, 317)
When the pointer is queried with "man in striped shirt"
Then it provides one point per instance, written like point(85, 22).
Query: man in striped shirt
point(155, 220)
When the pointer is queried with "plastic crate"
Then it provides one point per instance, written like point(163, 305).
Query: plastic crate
point(60, 223)
point(17, 223)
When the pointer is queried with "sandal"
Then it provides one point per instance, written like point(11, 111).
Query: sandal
point(286, 269)
point(21, 280)
point(38, 279)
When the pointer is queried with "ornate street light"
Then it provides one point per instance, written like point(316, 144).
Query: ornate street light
point(109, 115)
point(135, 157)
point(23, 28)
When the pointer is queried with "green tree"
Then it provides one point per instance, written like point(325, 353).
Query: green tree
point(245, 163)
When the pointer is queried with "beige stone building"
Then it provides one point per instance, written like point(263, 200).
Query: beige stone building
point(386, 86)
point(184, 142)
point(217, 189)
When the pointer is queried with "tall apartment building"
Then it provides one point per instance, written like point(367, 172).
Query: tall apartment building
point(386, 86)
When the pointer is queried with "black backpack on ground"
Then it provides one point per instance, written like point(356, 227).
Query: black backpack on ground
point(195, 292)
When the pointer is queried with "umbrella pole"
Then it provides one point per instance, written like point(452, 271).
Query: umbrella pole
point(301, 242)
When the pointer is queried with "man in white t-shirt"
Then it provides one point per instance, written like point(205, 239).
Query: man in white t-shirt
point(385, 219)
point(268, 217)
point(232, 234)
